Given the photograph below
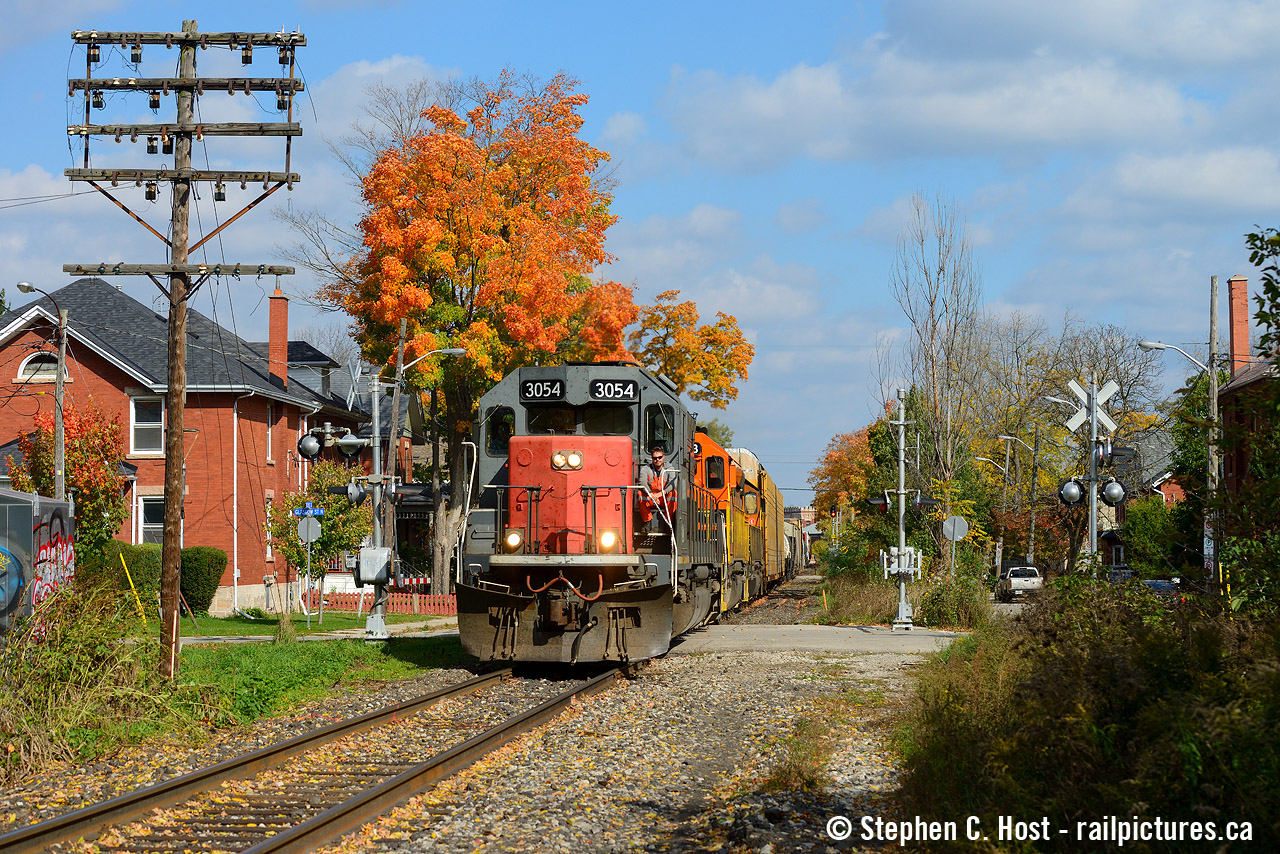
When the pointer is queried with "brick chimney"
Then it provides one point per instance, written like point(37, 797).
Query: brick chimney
point(1238, 297)
point(278, 342)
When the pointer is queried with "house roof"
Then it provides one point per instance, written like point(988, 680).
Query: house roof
point(134, 337)
point(300, 353)
point(1251, 372)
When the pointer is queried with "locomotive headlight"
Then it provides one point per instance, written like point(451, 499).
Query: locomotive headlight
point(512, 541)
point(558, 460)
point(575, 460)
point(608, 541)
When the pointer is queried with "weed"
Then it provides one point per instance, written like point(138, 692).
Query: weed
point(1101, 701)
point(853, 600)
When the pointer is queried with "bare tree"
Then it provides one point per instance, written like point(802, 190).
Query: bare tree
point(937, 285)
point(332, 339)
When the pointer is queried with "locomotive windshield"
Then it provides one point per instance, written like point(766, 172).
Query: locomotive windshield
point(660, 427)
point(595, 420)
point(501, 424)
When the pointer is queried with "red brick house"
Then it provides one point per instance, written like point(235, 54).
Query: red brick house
point(1250, 376)
point(243, 415)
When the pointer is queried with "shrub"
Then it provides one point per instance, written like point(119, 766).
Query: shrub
point(74, 683)
point(1102, 701)
point(202, 569)
point(958, 601)
point(144, 568)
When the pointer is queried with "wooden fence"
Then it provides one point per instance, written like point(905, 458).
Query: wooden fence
point(397, 603)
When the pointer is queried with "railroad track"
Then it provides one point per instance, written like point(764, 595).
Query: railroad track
point(294, 796)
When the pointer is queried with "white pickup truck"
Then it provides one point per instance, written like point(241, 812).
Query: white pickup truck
point(1018, 583)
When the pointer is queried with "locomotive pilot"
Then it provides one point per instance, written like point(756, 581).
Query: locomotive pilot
point(659, 496)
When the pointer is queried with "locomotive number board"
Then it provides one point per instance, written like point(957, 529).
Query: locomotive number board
point(615, 390)
point(542, 390)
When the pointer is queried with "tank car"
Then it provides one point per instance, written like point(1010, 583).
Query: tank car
point(575, 550)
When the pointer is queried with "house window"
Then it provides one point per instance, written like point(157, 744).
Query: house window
point(41, 368)
point(270, 501)
point(147, 425)
point(151, 516)
point(271, 423)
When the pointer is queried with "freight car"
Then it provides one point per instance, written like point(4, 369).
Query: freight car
point(576, 550)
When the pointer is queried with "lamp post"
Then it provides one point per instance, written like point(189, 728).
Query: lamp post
point(394, 437)
point(1035, 469)
point(59, 436)
point(1211, 443)
point(1004, 505)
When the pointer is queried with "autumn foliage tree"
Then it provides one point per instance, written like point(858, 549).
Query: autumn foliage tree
point(94, 447)
point(482, 230)
point(705, 362)
point(342, 527)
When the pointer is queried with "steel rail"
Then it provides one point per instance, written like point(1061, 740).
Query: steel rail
point(349, 816)
point(74, 825)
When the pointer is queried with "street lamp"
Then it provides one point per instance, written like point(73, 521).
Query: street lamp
point(1211, 454)
point(1035, 465)
point(59, 436)
point(1160, 345)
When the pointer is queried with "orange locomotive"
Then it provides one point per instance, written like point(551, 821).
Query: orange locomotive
point(606, 522)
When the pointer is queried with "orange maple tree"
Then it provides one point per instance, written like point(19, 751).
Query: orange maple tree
point(843, 470)
point(482, 231)
point(704, 361)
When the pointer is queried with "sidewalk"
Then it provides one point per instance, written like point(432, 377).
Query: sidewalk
point(425, 628)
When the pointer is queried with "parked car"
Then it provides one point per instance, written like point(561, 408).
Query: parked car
point(1165, 590)
point(1018, 583)
point(1121, 574)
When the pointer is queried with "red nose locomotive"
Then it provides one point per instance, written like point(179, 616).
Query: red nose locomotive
point(606, 524)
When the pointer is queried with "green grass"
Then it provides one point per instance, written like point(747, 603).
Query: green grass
point(206, 626)
point(257, 680)
point(82, 679)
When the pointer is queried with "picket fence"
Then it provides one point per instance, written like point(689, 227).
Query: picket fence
point(398, 603)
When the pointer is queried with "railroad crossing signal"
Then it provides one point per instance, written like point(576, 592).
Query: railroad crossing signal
point(1082, 414)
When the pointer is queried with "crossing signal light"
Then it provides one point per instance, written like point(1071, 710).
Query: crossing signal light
point(310, 446)
point(1113, 493)
point(1070, 492)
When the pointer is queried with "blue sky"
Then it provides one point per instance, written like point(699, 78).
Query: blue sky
point(1107, 156)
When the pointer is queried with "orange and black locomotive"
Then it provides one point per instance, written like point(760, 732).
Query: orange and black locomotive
point(606, 522)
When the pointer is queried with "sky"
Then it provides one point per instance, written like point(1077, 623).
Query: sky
point(1107, 157)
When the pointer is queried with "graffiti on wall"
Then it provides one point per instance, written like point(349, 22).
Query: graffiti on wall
point(53, 539)
point(37, 553)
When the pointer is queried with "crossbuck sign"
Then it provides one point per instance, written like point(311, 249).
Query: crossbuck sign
point(1082, 414)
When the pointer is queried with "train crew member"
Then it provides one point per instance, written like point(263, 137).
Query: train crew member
point(661, 492)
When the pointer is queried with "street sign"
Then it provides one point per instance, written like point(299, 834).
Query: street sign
point(1082, 414)
point(308, 529)
point(309, 511)
point(955, 528)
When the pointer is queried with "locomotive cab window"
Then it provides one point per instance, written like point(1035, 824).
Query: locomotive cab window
point(555, 420)
point(715, 472)
point(500, 425)
point(607, 420)
point(751, 503)
point(660, 427)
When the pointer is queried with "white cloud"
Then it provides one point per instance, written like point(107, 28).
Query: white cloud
point(624, 128)
point(889, 102)
point(1203, 33)
point(800, 216)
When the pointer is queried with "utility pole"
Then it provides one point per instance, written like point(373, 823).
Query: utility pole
point(1035, 468)
point(59, 421)
point(1211, 460)
point(177, 137)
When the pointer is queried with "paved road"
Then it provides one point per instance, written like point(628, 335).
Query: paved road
point(855, 639)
